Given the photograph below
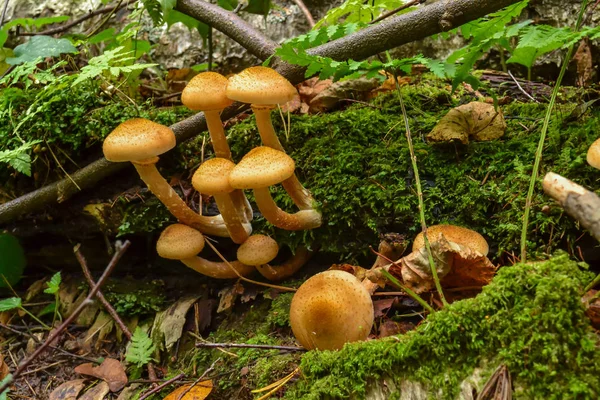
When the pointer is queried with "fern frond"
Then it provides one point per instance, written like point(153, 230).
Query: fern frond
point(154, 9)
point(141, 348)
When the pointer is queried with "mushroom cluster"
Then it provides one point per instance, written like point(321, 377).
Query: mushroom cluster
point(141, 141)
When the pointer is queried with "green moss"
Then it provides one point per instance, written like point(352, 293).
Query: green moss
point(132, 297)
point(529, 318)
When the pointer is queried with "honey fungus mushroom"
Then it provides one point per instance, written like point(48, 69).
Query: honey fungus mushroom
point(330, 309)
point(456, 234)
point(263, 167)
point(260, 250)
point(183, 243)
point(593, 154)
point(141, 141)
point(206, 92)
point(264, 88)
point(212, 178)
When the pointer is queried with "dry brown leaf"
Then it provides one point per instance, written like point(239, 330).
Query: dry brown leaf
point(416, 272)
point(228, 295)
point(355, 89)
point(585, 64)
point(178, 74)
point(381, 306)
point(199, 392)
point(168, 324)
point(97, 392)
point(102, 326)
point(68, 390)
point(592, 307)
point(110, 371)
point(474, 121)
point(4, 370)
point(359, 272)
point(469, 268)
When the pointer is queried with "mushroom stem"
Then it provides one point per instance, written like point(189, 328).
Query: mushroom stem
point(288, 268)
point(304, 219)
point(299, 194)
point(218, 270)
point(217, 133)
point(242, 205)
point(234, 218)
point(176, 206)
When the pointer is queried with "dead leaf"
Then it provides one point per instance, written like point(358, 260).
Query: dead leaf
point(469, 268)
point(68, 390)
point(178, 74)
point(228, 295)
point(359, 272)
point(592, 307)
point(130, 392)
point(97, 392)
point(168, 324)
point(67, 293)
point(35, 288)
point(111, 371)
point(476, 121)
point(103, 325)
point(585, 64)
point(4, 370)
point(416, 271)
point(381, 306)
point(355, 89)
point(199, 392)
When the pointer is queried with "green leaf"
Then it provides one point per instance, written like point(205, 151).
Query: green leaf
point(35, 22)
point(141, 348)
point(53, 284)
point(107, 34)
point(40, 46)
point(19, 159)
point(538, 40)
point(154, 9)
point(10, 304)
point(200, 67)
point(12, 262)
point(228, 4)
point(261, 7)
point(6, 379)
point(3, 37)
point(49, 309)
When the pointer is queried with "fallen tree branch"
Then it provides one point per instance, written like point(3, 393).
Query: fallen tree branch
point(393, 32)
point(120, 250)
point(249, 346)
point(576, 200)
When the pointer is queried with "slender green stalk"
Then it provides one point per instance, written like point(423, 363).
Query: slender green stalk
point(34, 317)
point(592, 284)
point(540, 148)
point(413, 159)
point(408, 291)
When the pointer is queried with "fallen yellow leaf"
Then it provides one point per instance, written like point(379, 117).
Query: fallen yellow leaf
point(200, 391)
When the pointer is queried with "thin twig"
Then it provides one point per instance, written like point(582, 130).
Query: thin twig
point(105, 20)
point(413, 159)
point(197, 381)
point(3, 16)
point(520, 88)
point(79, 20)
point(283, 288)
point(120, 250)
point(395, 11)
point(100, 296)
point(250, 346)
point(306, 12)
point(540, 148)
point(161, 386)
point(35, 339)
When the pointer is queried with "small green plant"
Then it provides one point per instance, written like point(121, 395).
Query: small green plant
point(53, 288)
point(140, 350)
point(12, 262)
point(13, 303)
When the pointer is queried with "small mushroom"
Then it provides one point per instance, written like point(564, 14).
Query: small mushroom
point(206, 92)
point(453, 233)
point(330, 309)
point(593, 154)
point(259, 250)
point(141, 141)
point(212, 178)
point(183, 243)
point(264, 88)
point(263, 167)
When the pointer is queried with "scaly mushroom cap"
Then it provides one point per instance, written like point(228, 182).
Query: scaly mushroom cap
point(178, 242)
point(262, 167)
point(260, 85)
point(138, 139)
point(257, 250)
point(456, 234)
point(330, 309)
point(213, 176)
point(206, 92)
point(593, 154)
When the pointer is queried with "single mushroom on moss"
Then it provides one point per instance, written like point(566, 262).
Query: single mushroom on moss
point(263, 167)
point(264, 88)
point(207, 92)
point(212, 178)
point(183, 243)
point(259, 250)
point(330, 309)
point(141, 141)
point(593, 154)
point(456, 234)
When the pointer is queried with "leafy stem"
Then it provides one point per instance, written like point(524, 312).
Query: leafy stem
point(540, 148)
